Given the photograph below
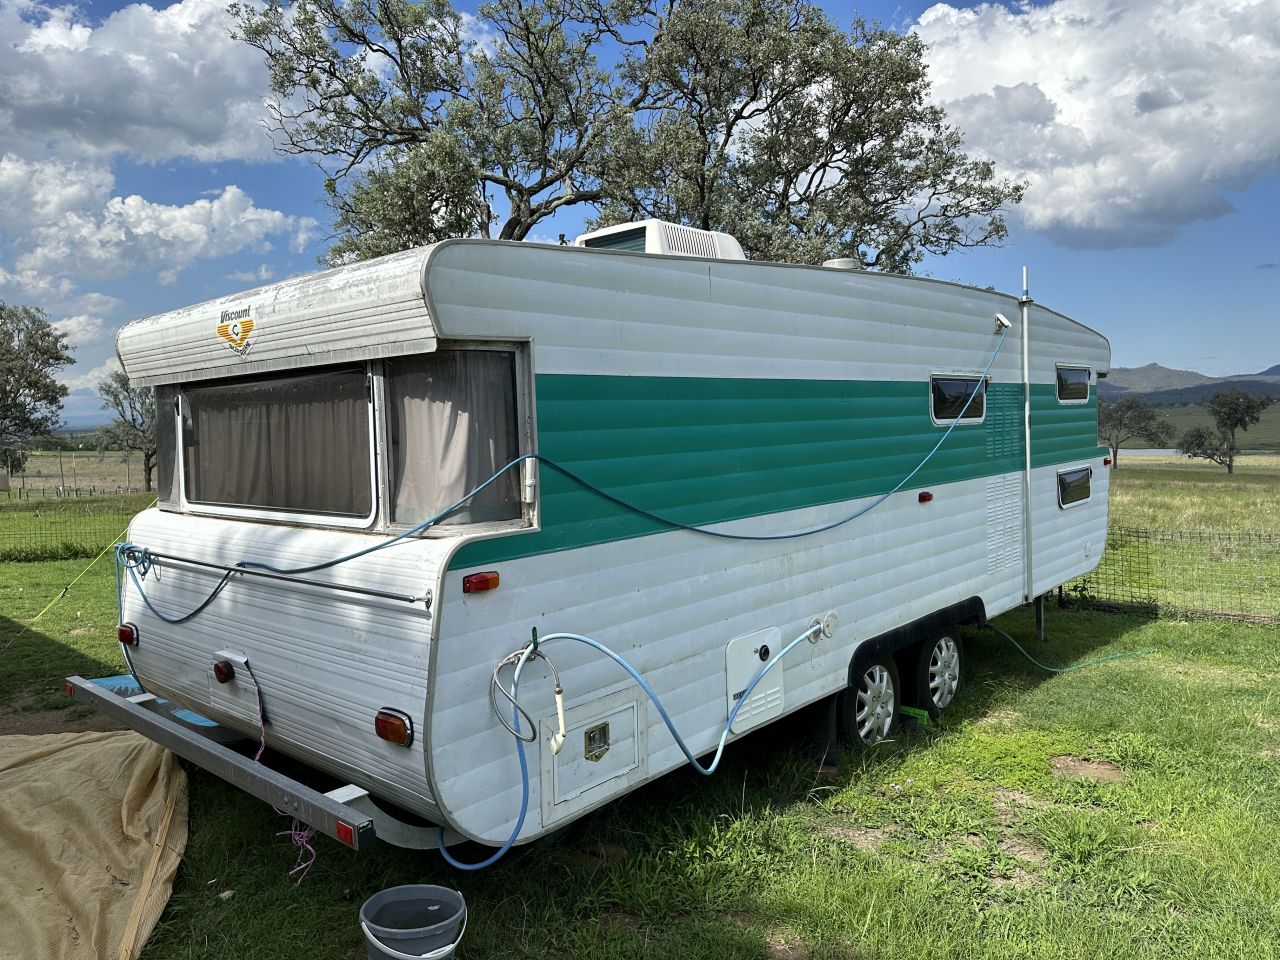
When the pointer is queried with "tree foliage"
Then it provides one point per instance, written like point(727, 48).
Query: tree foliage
point(31, 353)
point(134, 426)
point(1232, 410)
point(758, 117)
point(1131, 417)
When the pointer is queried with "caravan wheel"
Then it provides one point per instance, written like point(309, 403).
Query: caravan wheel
point(939, 672)
point(869, 707)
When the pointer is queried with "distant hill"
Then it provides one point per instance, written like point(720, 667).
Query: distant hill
point(1153, 377)
point(1162, 386)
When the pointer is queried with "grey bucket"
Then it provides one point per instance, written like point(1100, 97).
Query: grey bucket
point(413, 922)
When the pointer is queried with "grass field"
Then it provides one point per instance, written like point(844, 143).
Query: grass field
point(1124, 810)
point(109, 471)
point(1174, 493)
point(1265, 435)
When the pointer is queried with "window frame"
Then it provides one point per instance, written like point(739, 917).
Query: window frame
point(1057, 383)
point(960, 421)
point(525, 408)
point(1087, 470)
point(293, 517)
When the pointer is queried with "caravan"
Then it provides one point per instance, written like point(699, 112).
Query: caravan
point(681, 493)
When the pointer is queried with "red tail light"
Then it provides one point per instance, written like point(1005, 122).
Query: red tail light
point(127, 634)
point(480, 582)
point(394, 726)
point(1106, 461)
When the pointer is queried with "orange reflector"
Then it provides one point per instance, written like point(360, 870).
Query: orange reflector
point(925, 496)
point(346, 833)
point(480, 582)
point(127, 634)
point(394, 726)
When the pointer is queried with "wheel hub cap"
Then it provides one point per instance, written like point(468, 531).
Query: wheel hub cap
point(944, 672)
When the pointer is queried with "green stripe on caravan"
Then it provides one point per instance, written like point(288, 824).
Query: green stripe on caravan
point(704, 451)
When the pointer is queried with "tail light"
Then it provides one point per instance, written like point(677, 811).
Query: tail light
point(127, 633)
point(224, 671)
point(480, 582)
point(394, 726)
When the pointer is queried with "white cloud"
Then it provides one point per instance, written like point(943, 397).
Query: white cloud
point(79, 379)
point(264, 273)
point(82, 329)
point(1128, 118)
point(131, 233)
point(38, 191)
point(150, 83)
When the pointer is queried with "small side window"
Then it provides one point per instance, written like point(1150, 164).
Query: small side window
point(951, 394)
point(1073, 383)
point(1074, 486)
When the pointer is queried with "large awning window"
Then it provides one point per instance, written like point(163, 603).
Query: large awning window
point(296, 444)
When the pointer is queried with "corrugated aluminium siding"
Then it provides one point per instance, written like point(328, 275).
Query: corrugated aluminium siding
point(703, 451)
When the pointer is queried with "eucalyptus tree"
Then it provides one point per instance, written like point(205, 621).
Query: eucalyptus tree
point(758, 117)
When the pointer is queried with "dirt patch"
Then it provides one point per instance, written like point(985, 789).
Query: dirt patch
point(1021, 849)
point(1000, 717)
point(1017, 879)
point(783, 945)
point(1099, 771)
point(1264, 722)
point(82, 631)
point(17, 718)
point(1011, 803)
point(615, 921)
point(599, 855)
point(864, 838)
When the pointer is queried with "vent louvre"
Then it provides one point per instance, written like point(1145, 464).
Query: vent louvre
point(694, 243)
point(1004, 522)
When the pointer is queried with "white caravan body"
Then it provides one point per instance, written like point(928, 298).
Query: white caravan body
point(748, 398)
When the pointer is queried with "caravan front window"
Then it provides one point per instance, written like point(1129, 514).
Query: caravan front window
point(453, 425)
point(297, 444)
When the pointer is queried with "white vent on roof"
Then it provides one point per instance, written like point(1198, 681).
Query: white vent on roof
point(658, 236)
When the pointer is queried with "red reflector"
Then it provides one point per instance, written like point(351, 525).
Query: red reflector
point(223, 671)
point(346, 834)
point(394, 726)
point(127, 634)
point(71, 691)
point(925, 496)
point(1106, 461)
point(479, 582)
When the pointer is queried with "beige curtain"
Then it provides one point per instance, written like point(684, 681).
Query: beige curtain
point(453, 426)
point(298, 444)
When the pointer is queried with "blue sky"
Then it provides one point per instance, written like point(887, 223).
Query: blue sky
point(136, 174)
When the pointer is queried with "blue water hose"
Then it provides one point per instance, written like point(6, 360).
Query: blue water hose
point(657, 702)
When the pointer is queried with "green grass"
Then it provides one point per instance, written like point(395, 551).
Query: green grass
point(1173, 493)
point(958, 842)
point(1264, 435)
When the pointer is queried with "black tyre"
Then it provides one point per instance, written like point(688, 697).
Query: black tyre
point(868, 709)
point(939, 672)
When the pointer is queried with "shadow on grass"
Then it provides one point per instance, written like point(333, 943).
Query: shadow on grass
point(33, 665)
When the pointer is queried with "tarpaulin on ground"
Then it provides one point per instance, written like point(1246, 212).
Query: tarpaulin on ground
point(92, 828)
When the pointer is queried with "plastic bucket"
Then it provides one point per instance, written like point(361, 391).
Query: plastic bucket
point(413, 922)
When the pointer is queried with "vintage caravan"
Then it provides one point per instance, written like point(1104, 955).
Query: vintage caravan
point(681, 493)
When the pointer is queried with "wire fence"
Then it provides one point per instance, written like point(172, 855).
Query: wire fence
point(1187, 573)
point(1169, 572)
point(64, 529)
